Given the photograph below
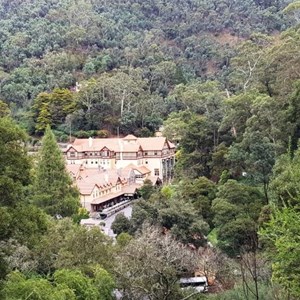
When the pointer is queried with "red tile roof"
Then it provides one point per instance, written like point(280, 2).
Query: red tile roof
point(107, 197)
point(141, 169)
point(121, 145)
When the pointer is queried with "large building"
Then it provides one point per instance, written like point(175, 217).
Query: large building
point(109, 171)
point(156, 154)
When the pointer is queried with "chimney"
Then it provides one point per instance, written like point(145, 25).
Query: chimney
point(90, 142)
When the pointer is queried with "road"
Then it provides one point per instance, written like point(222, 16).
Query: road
point(108, 221)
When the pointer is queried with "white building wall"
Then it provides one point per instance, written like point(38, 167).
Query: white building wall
point(152, 164)
point(74, 161)
point(85, 201)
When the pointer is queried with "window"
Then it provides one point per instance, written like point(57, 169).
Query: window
point(105, 153)
point(91, 153)
point(72, 154)
point(146, 153)
point(96, 162)
point(146, 162)
point(156, 172)
point(155, 153)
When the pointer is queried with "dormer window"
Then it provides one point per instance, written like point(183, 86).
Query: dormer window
point(105, 153)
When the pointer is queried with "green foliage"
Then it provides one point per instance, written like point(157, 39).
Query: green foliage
point(236, 211)
point(200, 192)
point(146, 48)
point(19, 221)
point(222, 78)
point(68, 245)
point(104, 284)
point(123, 239)
point(147, 189)
point(18, 286)
point(81, 214)
point(28, 224)
point(281, 232)
point(285, 182)
point(53, 189)
point(4, 110)
point(76, 282)
point(174, 214)
point(120, 224)
point(52, 108)
point(14, 163)
point(65, 284)
point(197, 147)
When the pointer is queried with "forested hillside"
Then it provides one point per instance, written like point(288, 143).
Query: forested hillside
point(222, 77)
point(128, 56)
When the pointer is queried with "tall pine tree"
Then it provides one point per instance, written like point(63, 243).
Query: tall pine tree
point(53, 189)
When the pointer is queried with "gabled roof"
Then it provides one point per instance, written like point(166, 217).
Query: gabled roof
point(141, 169)
point(70, 147)
point(107, 197)
point(127, 144)
point(153, 143)
point(82, 145)
point(86, 188)
point(129, 147)
point(87, 178)
point(131, 189)
point(130, 137)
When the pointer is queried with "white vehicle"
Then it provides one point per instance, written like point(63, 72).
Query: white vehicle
point(114, 209)
point(198, 283)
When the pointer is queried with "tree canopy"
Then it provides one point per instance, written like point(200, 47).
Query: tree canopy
point(53, 188)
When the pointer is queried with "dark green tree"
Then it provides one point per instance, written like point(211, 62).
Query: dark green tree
point(236, 212)
point(19, 222)
point(200, 192)
point(120, 224)
point(17, 286)
point(285, 184)
point(14, 163)
point(53, 189)
point(147, 189)
point(281, 234)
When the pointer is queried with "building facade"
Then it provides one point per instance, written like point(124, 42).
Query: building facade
point(156, 154)
point(100, 189)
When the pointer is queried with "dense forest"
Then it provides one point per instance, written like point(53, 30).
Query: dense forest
point(131, 58)
point(221, 78)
